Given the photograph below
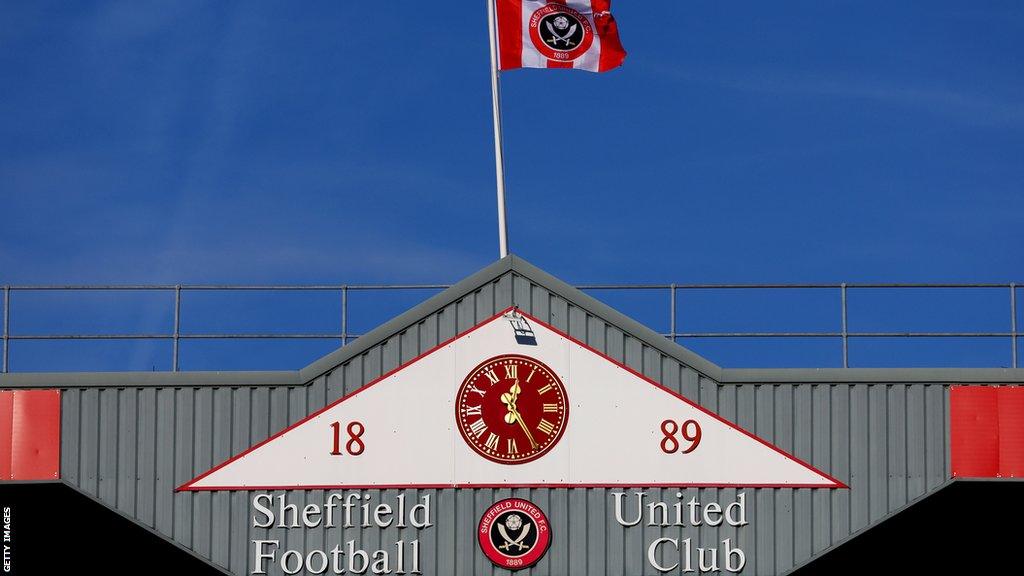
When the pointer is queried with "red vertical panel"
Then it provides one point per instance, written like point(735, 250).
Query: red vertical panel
point(974, 431)
point(6, 425)
point(1011, 432)
point(35, 449)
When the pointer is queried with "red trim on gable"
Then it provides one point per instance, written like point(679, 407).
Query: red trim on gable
point(497, 486)
point(381, 378)
point(834, 482)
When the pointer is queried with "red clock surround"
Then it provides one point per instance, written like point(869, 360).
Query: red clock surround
point(512, 409)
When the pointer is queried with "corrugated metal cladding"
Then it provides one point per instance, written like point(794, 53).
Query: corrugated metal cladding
point(130, 447)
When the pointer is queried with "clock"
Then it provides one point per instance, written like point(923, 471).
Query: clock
point(511, 409)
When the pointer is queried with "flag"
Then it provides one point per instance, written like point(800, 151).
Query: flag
point(558, 34)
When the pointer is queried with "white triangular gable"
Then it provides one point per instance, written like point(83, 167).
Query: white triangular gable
point(409, 438)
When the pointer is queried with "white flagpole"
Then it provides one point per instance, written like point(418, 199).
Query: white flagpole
point(499, 154)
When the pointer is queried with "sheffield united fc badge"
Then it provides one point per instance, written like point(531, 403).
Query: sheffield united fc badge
point(514, 533)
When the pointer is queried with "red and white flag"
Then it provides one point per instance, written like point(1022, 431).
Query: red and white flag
point(558, 34)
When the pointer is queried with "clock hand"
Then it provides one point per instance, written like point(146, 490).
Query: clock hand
point(512, 411)
point(513, 415)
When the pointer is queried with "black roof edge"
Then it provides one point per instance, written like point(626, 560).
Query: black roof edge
point(474, 282)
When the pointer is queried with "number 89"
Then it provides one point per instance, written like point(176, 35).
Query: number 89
point(688, 430)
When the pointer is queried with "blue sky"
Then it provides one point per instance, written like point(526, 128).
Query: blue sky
point(264, 142)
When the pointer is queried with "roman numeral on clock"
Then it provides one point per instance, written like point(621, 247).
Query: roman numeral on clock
point(551, 408)
point(478, 427)
point(492, 441)
point(476, 411)
point(545, 427)
point(492, 376)
point(545, 389)
point(511, 371)
point(512, 448)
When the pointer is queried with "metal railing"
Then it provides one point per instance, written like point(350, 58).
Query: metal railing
point(344, 336)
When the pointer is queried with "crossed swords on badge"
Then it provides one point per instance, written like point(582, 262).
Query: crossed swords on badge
point(556, 37)
point(509, 542)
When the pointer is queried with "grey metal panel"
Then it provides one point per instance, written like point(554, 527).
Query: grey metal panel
point(896, 451)
point(145, 486)
point(728, 408)
point(783, 505)
point(763, 560)
point(89, 429)
point(71, 436)
point(165, 450)
point(184, 459)
point(878, 453)
point(315, 398)
point(127, 454)
point(220, 505)
point(935, 437)
point(840, 458)
point(803, 514)
point(238, 528)
point(108, 447)
point(131, 446)
point(202, 459)
point(914, 436)
point(297, 406)
point(860, 458)
point(821, 448)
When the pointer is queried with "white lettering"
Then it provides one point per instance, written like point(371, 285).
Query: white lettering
point(261, 555)
point(298, 562)
point(330, 508)
point(424, 509)
point(401, 511)
point(348, 508)
point(314, 511)
point(713, 508)
point(353, 555)
point(741, 505)
point(652, 509)
point(709, 566)
point(270, 511)
point(323, 563)
point(653, 549)
point(382, 515)
point(618, 508)
point(729, 552)
point(692, 505)
point(284, 510)
point(267, 512)
point(380, 562)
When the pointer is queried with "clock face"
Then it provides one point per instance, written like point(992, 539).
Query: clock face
point(511, 409)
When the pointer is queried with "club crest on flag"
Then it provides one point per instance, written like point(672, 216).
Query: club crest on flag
point(580, 34)
point(560, 33)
